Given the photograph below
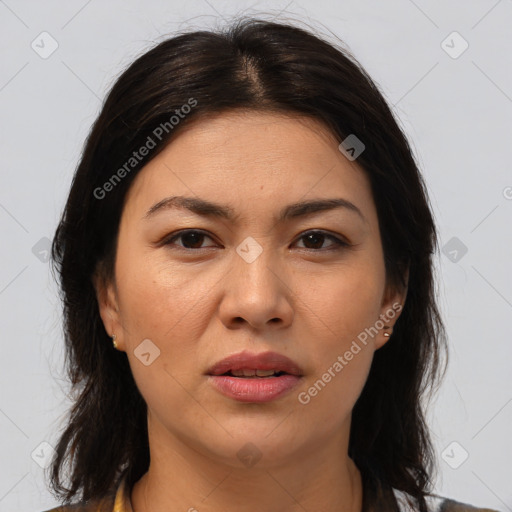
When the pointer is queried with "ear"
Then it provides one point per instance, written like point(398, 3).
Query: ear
point(106, 295)
point(391, 307)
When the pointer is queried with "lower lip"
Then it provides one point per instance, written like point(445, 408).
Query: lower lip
point(257, 389)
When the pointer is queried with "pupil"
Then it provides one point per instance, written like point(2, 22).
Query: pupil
point(315, 238)
point(192, 239)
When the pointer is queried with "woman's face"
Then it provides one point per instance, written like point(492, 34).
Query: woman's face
point(255, 270)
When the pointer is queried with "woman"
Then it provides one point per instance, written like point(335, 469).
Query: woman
point(249, 228)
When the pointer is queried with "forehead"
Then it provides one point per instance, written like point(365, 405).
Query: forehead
point(251, 158)
point(237, 126)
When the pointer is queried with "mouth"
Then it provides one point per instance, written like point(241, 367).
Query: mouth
point(255, 378)
point(245, 364)
point(250, 374)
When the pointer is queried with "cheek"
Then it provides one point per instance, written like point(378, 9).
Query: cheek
point(160, 300)
point(345, 306)
point(169, 307)
point(344, 303)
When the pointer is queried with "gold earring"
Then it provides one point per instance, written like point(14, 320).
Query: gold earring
point(114, 342)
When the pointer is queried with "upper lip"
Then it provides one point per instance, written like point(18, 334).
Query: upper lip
point(264, 361)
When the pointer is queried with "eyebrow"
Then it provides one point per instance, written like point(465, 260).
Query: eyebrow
point(210, 209)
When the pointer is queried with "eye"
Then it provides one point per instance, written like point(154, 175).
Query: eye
point(314, 240)
point(191, 239)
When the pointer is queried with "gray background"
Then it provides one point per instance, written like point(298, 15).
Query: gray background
point(455, 108)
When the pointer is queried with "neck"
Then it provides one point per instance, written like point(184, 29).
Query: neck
point(182, 479)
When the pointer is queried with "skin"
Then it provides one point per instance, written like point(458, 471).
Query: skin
point(198, 306)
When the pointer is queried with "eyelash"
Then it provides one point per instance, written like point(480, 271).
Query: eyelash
point(338, 243)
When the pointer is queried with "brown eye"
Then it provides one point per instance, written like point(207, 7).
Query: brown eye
point(190, 239)
point(314, 240)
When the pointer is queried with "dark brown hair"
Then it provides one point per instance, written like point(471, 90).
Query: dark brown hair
point(261, 66)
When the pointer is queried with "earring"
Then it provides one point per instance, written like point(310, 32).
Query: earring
point(114, 342)
point(387, 334)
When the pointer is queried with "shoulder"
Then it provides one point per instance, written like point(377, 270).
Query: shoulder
point(436, 503)
point(105, 504)
point(117, 500)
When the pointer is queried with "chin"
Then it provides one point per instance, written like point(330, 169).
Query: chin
point(265, 445)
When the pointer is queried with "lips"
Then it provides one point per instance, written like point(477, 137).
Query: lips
point(246, 365)
point(255, 378)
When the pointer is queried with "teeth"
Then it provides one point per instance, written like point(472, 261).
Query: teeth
point(253, 373)
point(265, 373)
point(242, 373)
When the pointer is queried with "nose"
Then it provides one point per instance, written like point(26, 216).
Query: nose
point(256, 294)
